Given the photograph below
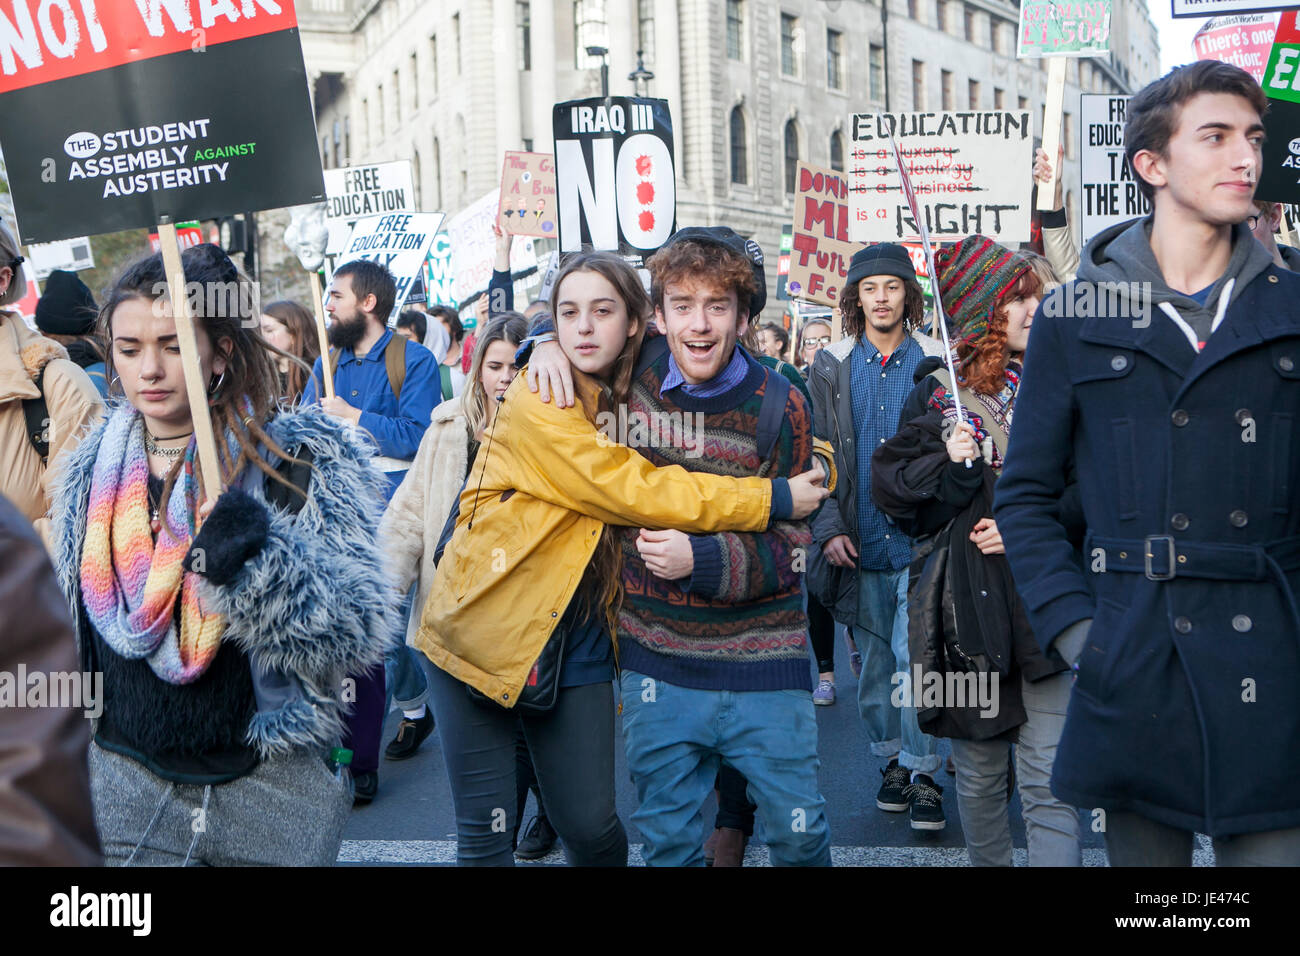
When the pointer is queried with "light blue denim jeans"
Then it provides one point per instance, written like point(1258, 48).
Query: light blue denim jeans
point(881, 637)
point(676, 737)
point(406, 670)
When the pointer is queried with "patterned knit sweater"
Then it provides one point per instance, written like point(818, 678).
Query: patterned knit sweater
point(738, 622)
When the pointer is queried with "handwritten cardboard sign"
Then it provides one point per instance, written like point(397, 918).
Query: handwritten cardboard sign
point(528, 195)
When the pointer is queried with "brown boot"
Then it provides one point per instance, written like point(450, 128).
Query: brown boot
point(730, 848)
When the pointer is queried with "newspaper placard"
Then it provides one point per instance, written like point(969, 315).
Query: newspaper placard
point(820, 249)
point(129, 114)
point(965, 167)
point(70, 255)
point(400, 242)
point(1064, 28)
point(528, 195)
point(1243, 41)
point(1111, 193)
point(614, 172)
point(473, 248)
point(355, 192)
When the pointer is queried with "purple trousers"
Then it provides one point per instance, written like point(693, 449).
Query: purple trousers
point(365, 724)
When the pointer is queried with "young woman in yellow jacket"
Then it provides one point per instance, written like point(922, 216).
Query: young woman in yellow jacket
point(532, 557)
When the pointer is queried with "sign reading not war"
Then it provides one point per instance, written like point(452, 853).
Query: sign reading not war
point(355, 192)
point(399, 242)
point(1110, 187)
point(117, 113)
point(1064, 28)
point(966, 168)
point(614, 173)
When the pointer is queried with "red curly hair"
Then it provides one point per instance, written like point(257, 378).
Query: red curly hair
point(982, 366)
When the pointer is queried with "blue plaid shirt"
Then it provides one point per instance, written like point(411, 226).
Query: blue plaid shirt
point(878, 394)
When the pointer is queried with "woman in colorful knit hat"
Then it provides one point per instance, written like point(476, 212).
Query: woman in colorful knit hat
point(223, 630)
point(979, 677)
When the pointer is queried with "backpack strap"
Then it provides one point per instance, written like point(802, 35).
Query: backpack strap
point(771, 414)
point(36, 415)
point(964, 395)
point(395, 362)
point(444, 374)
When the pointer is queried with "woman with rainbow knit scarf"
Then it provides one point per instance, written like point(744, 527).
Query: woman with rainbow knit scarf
point(223, 630)
point(979, 677)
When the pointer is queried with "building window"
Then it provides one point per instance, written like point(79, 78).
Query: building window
point(419, 178)
point(968, 17)
point(455, 41)
point(918, 85)
point(947, 96)
point(347, 140)
point(365, 124)
point(941, 15)
point(1022, 103)
point(739, 147)
point(791, 46)
point(379, 110)
point(834, 60)
point(325, 152)
point(837, 151)
point(588, 30)
point(433, 65)
point(791, 154)
point(999, 99)
point(645, 30)
point(876, 61)
point(338, 137)
point(437, 173)
point(997, 37)
point(415, 82)
point(524, 25)
point(397, 99)
point(735, 30)
point(973, 88)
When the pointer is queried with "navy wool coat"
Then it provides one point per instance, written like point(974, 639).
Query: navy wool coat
point(1186, 707)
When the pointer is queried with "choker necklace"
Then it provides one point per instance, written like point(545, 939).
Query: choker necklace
point(152, 447)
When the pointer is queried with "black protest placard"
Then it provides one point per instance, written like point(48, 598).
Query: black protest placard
point(117, 114)
point(614, 174)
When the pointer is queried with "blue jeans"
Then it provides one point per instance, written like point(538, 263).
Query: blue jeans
point(676, 738)
point(404, 669)
point(881, 637)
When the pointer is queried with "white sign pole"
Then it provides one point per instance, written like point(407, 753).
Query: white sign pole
point(322, 333)
point(1052, 129)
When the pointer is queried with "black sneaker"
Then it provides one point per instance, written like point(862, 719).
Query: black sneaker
point(891, 795)
point(410, 734)
point(927, 803)
point(538, 841)
point(365, 786)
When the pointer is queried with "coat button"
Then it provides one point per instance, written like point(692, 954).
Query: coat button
point(1238, 518)
point(354, 393)
point(1285, 363)
point(1272, 278)
point(1243, 415)
point(553, 614)
point(1180, 417)
point(1241, 624)
point(1118, 363)
point(1179, 522)
point(1182, 625)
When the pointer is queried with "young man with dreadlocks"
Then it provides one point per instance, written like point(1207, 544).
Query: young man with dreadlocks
point(859, 567)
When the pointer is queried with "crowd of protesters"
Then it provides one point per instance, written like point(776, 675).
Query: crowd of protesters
point(1100, 616)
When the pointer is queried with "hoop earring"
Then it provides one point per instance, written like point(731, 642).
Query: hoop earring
point(214, 389)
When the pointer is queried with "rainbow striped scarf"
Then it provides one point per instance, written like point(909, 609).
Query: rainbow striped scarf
point(129, 582)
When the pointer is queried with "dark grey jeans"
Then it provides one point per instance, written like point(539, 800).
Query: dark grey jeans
point(1133, 840)
point(573, 754)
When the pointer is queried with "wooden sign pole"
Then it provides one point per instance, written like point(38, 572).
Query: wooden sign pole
point(322, 334)
point(195, 387)
point(1052, 129)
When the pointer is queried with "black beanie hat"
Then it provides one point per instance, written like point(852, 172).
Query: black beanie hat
point(728, 238)
point(881, 259)
point(66, 307)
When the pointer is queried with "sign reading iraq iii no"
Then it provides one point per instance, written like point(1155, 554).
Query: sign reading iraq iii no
point(614, 174)
point(117, 114)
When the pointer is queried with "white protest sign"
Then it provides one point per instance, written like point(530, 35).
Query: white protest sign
point(970, 170)
point(400, 242)
point(473, 248)
point(71, 255)
point(437, 273)
point(1110, 189)
point(354, 192)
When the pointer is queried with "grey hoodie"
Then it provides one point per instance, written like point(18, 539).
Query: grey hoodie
point(1122, 254)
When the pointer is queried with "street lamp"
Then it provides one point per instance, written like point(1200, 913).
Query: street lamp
point(641, 77)
point(603, 53)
